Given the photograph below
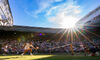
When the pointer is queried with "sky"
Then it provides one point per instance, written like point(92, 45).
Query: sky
point(50, 13)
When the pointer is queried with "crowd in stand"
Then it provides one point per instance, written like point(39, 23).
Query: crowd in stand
point(47, 46)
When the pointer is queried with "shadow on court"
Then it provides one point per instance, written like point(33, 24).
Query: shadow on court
point(60, 57)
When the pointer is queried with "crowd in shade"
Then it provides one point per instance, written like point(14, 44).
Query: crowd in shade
point(47, 46)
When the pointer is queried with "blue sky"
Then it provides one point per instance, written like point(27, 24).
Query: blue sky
point(50, 13)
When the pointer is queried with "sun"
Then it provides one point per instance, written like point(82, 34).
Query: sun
point(68, 22)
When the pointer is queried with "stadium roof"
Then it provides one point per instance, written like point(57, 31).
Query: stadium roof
point(90, 13)
point(6, 17)
point(31, 29)
point(38, 29)
point(91, 33)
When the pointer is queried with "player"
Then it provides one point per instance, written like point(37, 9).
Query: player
point(28, 47)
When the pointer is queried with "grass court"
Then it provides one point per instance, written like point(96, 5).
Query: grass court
point(49, 57)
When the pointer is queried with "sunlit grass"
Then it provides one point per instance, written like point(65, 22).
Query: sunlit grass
point(25, 57)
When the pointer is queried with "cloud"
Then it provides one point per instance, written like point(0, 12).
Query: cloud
point(62, 14)
point(42, 7)
point(49, 12)
point(44, 4)
point(65, 14)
